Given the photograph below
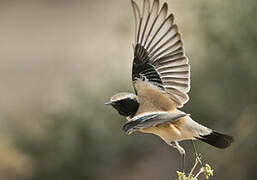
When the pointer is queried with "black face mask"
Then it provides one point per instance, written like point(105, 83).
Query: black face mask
point(126, 107)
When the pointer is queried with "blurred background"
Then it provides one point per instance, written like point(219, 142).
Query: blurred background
point(61, 60)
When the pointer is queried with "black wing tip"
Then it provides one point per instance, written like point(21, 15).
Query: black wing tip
point(125, 128)
point(171, 18)
point(132, 3)
point(165, 6)
point(129, 126)
point(135, 6)
point(217, 140)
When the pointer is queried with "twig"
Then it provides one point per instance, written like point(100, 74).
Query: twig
point(197, 160)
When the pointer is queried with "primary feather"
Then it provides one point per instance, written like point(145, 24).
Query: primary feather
point(159, 56)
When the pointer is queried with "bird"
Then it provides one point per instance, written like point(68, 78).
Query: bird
point(161, 80)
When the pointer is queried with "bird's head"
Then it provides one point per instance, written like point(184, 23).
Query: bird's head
point(125, 103)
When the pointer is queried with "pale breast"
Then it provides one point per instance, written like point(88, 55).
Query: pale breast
point(152, 99)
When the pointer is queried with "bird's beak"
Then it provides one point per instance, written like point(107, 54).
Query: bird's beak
point(108, 103)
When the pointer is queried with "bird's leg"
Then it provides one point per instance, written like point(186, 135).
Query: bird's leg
point(182, 153)
point(198, 156)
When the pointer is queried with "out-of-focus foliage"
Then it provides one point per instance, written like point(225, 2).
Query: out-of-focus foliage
point(82, 141)
point(85, 49)
point(226, 86)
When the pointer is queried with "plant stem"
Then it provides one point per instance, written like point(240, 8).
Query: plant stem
point(201, 170)
point(196, 163)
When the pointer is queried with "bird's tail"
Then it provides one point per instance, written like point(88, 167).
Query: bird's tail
point(217, 139)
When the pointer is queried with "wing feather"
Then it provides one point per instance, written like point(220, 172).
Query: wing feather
point(160, 21)
point(159, 56)
point(145, 18)
point(152, 19)
point(148, 120)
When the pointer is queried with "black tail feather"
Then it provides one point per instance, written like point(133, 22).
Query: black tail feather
point(217, 139)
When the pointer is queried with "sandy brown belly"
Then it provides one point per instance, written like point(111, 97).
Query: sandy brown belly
point(170, 132)
point(167, 132)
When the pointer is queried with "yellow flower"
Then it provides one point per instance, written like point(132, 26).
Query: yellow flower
point(181, 176)
point(208, 171)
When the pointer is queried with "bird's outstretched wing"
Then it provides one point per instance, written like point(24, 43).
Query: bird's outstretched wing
point(148, 120)
point(159, 56)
